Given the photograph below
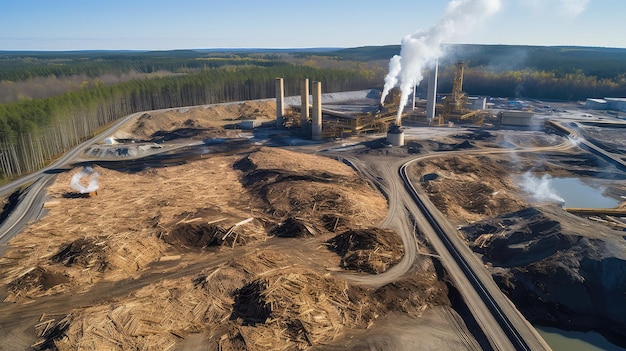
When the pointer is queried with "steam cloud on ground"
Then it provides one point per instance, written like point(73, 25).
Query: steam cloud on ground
point(540, 188)
point(92, 184)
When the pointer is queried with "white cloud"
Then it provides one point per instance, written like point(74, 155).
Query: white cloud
point(574, 7)
point(567, 8)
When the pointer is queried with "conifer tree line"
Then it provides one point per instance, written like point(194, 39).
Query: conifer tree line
point(575, 86)
point(36, 131)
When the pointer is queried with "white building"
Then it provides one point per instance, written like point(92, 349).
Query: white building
point(615, 104)
point(597, 104)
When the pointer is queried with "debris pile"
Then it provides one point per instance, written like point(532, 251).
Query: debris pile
point(195, 235)
point(468, 188)
point(317, 191)
point(253, 296)
point(85, 252)
point(35, 281)
point(370, 250)
point(292, 228)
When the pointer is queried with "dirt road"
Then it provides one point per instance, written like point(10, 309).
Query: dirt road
point(506, 328)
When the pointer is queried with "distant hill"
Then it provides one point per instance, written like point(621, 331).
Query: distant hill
point(593, 61)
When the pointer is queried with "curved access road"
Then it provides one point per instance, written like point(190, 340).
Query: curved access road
point(31, 201)
point(501, 322)
point(409, 208)
point(618, 160)
point(403, 215)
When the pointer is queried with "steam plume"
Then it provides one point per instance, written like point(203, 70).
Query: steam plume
point(540, 188)
point(391, 80)
point(92, 184)
point(421, 49)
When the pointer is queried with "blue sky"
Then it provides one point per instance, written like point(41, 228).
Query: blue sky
point(181, 24)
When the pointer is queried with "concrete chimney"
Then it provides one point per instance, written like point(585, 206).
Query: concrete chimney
point(432, 92)
point(316, 125)
point(280, 102)
point(304, 98)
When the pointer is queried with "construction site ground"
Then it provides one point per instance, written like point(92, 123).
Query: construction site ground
point(243, 246)
point(154, 261)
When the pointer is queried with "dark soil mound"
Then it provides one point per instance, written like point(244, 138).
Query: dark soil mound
point(163, 136)
point(292, 228)
point(453, 147)
point(37, 278)
point(555, 275)
point(518, 238)
point(482, 135)
point(334, 223)
point(194, 235)
point(245, 165)
point(413, 147)
point(250, 305)
point(371, 250)
point(83, 252)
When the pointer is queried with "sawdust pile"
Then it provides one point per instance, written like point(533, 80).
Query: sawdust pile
point(204, 121)
point(371, 250)
point(468, 188)
point(264, 300)
point(321, 192)
point(119, 233)
point(233, 290)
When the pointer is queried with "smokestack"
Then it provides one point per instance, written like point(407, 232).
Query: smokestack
point(280, 102)
point(304, 98)
point(432, 92)
point(316, 125)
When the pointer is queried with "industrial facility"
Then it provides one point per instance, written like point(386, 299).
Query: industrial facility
point(321, 122)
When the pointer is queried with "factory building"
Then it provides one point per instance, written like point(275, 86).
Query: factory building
point(477, 102)
point(597, 104)
point(615, 104)
point(516, 118)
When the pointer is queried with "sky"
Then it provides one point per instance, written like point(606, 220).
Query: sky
point(192, 24)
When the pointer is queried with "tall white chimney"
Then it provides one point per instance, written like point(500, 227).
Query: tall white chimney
point(432, 92)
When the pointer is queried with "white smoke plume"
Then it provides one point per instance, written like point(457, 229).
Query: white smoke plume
point(540, 188)
point(421, 49)
point(391, 80)
point(78, 184)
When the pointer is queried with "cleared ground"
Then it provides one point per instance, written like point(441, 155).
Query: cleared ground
point(155, 260)
point(238, 246)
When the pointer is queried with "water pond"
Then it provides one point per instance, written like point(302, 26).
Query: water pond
point(576, 341)
point(578, 194)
